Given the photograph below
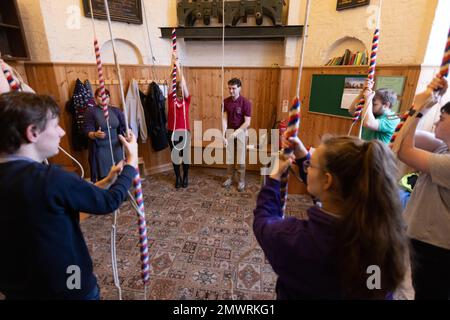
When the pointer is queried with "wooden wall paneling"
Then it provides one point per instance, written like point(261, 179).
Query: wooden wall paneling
point(265, 87)
point(205, 85)
point(412, 78)
point(274, 104)
point(45, 79)
point(286, 90)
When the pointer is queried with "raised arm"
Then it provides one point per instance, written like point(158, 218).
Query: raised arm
point(370, 121)
point(183, 81)
point(410, 152)
point(426, 141)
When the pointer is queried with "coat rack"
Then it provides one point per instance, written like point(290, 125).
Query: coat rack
point(140, 81)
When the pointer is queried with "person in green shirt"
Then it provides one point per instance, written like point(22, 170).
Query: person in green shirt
point(380, 121)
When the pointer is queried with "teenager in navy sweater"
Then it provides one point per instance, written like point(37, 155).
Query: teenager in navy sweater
point(41, 244)
point(331, 255)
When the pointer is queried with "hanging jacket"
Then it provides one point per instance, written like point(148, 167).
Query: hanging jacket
point(135, 111)
point(87, 85)
point(81, 100)
point(155, 116)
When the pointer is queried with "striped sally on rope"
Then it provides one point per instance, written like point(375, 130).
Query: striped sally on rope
point(361, 106)
point(370, 74)
point(294, 113)
point(137, 184)
point(13, 84)
point(291, 131)
point(101, 79)
point(104, 106)
point(174, 70)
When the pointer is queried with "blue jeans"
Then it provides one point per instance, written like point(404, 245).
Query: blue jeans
point(94, 294)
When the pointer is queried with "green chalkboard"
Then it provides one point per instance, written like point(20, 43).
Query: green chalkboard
point(326, 94)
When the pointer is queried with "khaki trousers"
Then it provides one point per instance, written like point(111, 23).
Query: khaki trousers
point(235, 156)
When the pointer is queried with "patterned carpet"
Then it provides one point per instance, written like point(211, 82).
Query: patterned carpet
point(197, 237)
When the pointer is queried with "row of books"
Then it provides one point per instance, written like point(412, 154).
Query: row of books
point(349, 59)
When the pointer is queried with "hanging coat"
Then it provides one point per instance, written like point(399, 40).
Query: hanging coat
point(155, 116)
point(87, 85)
point(78, 105)
point(135, 111)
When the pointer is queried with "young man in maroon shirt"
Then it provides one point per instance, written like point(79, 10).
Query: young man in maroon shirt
point(236, 118)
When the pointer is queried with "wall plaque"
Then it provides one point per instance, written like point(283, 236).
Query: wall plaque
point(346, 4)
point(120, 10)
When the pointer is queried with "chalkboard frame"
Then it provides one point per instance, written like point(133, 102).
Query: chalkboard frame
point(100, 13)
point(352, 4)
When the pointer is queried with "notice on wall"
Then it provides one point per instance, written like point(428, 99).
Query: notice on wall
point(352, 88)
point(395, 83)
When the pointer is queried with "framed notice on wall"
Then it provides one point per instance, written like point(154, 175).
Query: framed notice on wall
point(346, 4)
point(395, 83)
point(120, 10)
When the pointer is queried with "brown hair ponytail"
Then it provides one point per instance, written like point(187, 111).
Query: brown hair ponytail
point(371, 231)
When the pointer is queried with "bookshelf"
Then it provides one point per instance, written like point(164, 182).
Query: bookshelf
point(13, 44)
point(359, 58)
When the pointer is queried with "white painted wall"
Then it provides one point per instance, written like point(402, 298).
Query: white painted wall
point(58, 31)
point(433, 59)
point(405, 26)
point(439, 31)
point(70, 36)
point(128, 52)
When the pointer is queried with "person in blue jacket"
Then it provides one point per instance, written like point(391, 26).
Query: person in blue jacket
point(42, 249)
point(352, 247)
point(96, 129)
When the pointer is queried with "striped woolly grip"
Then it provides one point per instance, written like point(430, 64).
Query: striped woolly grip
point(442, 72)
point(174, 40)
point(143, 241)
point(370, 73)
point(291, 131)
point(403, 119)
point(13, 84)
point(446, 59)
point(101, 79)
point(174, 70)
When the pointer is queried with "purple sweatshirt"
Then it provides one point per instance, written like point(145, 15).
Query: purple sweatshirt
point(301, 252)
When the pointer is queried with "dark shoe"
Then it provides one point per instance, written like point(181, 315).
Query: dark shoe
point(185, 182)
point(178, 182)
